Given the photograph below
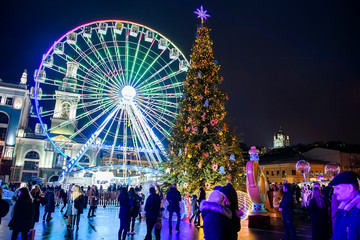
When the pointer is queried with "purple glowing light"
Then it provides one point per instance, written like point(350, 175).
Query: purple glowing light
point(201, 13)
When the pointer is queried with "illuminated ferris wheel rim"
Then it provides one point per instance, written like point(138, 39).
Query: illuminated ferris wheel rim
point(121, 167)
point(128, 92)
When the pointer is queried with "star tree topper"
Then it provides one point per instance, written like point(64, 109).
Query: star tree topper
point(201, 13)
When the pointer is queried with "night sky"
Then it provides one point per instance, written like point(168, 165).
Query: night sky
point(294, 64)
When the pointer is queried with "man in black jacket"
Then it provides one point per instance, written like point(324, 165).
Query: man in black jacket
point(174, 198)
point(152, 209)
point(286, 210)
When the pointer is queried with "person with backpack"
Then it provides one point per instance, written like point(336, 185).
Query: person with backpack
point(134, 209)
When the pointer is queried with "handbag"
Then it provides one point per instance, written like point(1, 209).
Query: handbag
point(96, 200)
point(31, 234)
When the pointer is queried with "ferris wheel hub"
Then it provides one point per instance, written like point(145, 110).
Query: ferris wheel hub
point(128, 92)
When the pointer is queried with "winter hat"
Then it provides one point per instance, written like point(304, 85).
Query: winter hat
point(344, 178)
point(226, 190)
point(217, 187)
point(216, 197)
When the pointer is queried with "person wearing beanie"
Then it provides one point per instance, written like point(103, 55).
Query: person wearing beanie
point(346, 190)
point(232, 203)
point(286, 210)
point(217, 217)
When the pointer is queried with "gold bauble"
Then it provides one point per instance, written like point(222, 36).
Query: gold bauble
point(189, 156)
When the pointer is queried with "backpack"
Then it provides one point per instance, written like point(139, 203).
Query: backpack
point(4, 208)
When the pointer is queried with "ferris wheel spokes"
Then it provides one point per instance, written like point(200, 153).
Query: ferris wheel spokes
point(144, 139)
point(93, 137)
point(88, 74)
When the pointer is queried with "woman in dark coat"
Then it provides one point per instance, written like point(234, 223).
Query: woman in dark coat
point(124, 213)
point(202, 196)
point(217, 218)
point(22, 220)
point(318, 210)
point(50, 206)
point(134, 209)
point(38, 198)
point(233, 205)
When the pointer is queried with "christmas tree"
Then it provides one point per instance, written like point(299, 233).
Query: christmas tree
point(203, 152)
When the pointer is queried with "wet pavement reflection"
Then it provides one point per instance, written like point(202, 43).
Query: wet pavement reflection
point(106, 224)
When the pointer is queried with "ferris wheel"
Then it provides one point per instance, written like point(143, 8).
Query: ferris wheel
point(111, 85)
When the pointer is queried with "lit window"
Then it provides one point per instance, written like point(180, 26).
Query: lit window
point(9, 101)
point(32, 155)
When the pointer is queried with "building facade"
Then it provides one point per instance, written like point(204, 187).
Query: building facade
point(14, 115)
point(281, 140)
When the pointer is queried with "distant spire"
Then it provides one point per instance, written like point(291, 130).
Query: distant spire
point(23, 78)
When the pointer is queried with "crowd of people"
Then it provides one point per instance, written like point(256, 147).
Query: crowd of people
point(334, 210)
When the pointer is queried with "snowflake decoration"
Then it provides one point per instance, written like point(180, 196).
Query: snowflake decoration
point(201, 13)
